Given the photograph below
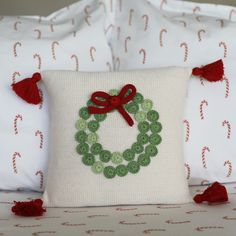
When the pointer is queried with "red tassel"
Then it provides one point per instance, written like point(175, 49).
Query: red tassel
point(212, 72)
point(215, 193)
point(31, 208)
point(28, 90)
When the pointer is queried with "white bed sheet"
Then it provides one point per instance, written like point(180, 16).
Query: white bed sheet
point(182, 220)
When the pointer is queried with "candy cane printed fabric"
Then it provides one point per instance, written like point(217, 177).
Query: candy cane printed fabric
point(64, 40)
point(116, 137)
point(150, 34)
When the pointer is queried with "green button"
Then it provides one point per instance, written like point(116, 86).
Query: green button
point(98, 167)
point(83, 113)
point(90, 103)
point(105, 156)
point(109, 172)
point(155, 139)
point(121, 170)
point(151, 150)
point(81, 136)
point(132, 107)
point(142, 138)
point(156, 127)
point(147, 105)
point(100, 117)
point(140, 116)
point(144, 160)
point(92, 138)
point(143, 127)
point(152, 116)
point(116, 158)
point(81, 124)
point(137, 147)
point(88, 159)
point(96, 148)
point(133, 167)
point(128, 155)
point(138, 98)
point(93, 125)
point(113, 92)
point(82, 148)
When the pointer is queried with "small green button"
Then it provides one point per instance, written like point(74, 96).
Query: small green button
point(156, 127)
point(109, 172)
point(116, 158)
point(128, 155)
point(137, 147)
point(142, 138)
point(81, 136)
point(155, 139)
point(88, 159)
point(92, 138)
point(105, 156)
point(143, 127)
point(133, 167)
point(121, 170)
point(147, 105)
point(82, 148)
point(81, 124)
point(152, 116)
point(100, 117)
point(113, 92)
point(140, 116)
point(96, 148)
point(98, 167)
point(83, 113)
point(144, 160)
point(132, 107)
point(90, 103)
point(138, 98)
point(93, 125)
point(151, 150)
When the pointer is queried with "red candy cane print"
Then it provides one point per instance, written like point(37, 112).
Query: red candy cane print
point(178, 222)
point(95, 216)
point(15, 155)
point(185, 46)
point(17, 118)
point(148, 231)
point(223, 44)
point(109, 66)
point(228, 125)
point(226, 86)
point(162, 4)
point(14, 76)
point(120, 5)
point(52, 27)
point(186, 122)
point(42, 99)
point(187, 166)
point(126, 43)
point(195, 9)
point(40, 173)
point(229, 165)
point(75, 58)
point(39, 33)
point(231, 13)
point(110, 27)
point(221, 22)
point(131, 11)
point(195, 211)
point(53, 46)
point(16, 25)
point(117, 64)
point(40, 19)
point(199, 33)
point(183, 22)
point(26, 226)
point(125, 209)
point(143, 52)
point(161, 37)
point(123, 222)
point(87, 18)
point(147, 214)
point(43, 232)
point(39, 60)
point(228, 218)
point(40, 134)
point(17, 44)
point(118, 33)
point(69, 224)
point(73, 21)
point(203, 104)
point(92, 231)
point(202, 228)
point(86, 9)
point(91, 52)
point(146, 19)
point(204, 150)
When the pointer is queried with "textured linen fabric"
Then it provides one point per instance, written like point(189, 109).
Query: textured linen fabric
point(155, 33)
point(70, 183)
point(64, 40)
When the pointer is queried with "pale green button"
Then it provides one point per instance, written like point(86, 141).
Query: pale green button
point(92, 138)
point(147, 105)
point(113, 92)
point(117, 158)
point(98, 167)
point(140, 116)
point(81, 124)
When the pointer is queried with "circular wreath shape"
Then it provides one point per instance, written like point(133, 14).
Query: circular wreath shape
point(130, 160)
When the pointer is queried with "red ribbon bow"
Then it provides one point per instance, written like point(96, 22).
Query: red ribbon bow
point(110, 103)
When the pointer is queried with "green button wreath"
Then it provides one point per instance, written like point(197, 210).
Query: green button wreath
point(119, 163)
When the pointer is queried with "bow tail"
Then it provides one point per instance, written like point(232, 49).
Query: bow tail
point(126, 116)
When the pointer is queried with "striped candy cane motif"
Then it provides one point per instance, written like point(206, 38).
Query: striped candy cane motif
point(229, 164)
point(204, 150)
point(146, 19)
point(40, 173)
point(91, 52)
point(86, 9)
point(53, 46)
point(223, 44)
point(195, 9)
point(40, 134)
point(221, 22)
point(75, 58)
point(231, 14)
point(162, 4)
point(17, 44)
point(109, 66)
point(15, 155)
point(92, 231)
point(126, 43)
point(199, 33)
point(43, 232)
point(147, 214)
point(117, 64)
point(187, 125)
point(39, 33)
point(161, 36)
point(73, 21)
point(87, 20)
point(26, 226)
point(148, 231)
point(42, 99)
point(69, 224)
point(226, 86)
point(118, 33)
point(40, 19)
point(143, 52)
point(228, 125)
point(131, 11)
point(187, 167)
point(52, 27)
point(177, 222)
point(17, 118)
point(203, 104)
point(203, 228)
point(16, 25)
point(16, 73)
point(185, 46)
point(110, 27)
point(38, 59)
point(123, 222)
point(120, 5)
point(183, 22)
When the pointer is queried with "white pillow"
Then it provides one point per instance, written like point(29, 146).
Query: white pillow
point(150, 37)
point(72, 38)
point(101, 160)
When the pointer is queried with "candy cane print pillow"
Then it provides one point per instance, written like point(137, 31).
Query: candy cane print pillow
point(116, 137)
point(150, 37)
point(72, 38)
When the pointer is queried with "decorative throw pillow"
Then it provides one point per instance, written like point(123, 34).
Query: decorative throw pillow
point(72, 38)
point(155, 33)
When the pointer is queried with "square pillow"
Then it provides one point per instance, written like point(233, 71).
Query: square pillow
point(72, 38)
point(130, 155)
point(155, 33)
